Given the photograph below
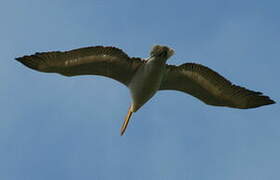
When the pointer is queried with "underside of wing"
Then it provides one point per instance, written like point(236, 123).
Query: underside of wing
point(105, 61)
point(210, 87)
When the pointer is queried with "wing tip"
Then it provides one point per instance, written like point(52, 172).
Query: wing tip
point(25, 60)
point(270, 101)
point(32, 62)
point(260, 101)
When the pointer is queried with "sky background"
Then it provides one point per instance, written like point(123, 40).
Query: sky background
point(61, 128)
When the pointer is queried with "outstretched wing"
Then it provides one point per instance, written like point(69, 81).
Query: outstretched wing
point(105, 61)
point(210, 87)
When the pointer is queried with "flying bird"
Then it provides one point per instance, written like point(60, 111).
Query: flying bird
point(144, 77)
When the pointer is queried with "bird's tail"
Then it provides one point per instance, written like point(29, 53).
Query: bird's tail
point(126, 121)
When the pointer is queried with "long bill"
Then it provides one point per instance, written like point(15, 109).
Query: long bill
point(126, 121)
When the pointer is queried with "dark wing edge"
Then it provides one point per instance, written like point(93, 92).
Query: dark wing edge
point(210, 87)
point(98, 60)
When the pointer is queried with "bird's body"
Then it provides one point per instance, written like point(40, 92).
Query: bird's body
point(145, 77)
point(146, 82)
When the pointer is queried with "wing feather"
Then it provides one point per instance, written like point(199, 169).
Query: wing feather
point(210, 87)
point(105, 61)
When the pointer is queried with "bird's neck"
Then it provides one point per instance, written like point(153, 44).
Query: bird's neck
point(156, 60)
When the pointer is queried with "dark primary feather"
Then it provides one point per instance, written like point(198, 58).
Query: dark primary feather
point(106, 61)
point(210, 87)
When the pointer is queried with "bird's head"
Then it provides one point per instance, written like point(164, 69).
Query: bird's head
point(161, 52)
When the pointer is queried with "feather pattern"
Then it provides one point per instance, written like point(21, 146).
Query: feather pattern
point(106, 61)
point(210, 87)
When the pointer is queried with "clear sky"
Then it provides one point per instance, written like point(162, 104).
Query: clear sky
point(61, 128)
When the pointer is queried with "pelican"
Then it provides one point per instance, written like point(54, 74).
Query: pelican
point(144, 77)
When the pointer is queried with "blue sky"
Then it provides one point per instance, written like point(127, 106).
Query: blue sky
point(55, 127)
